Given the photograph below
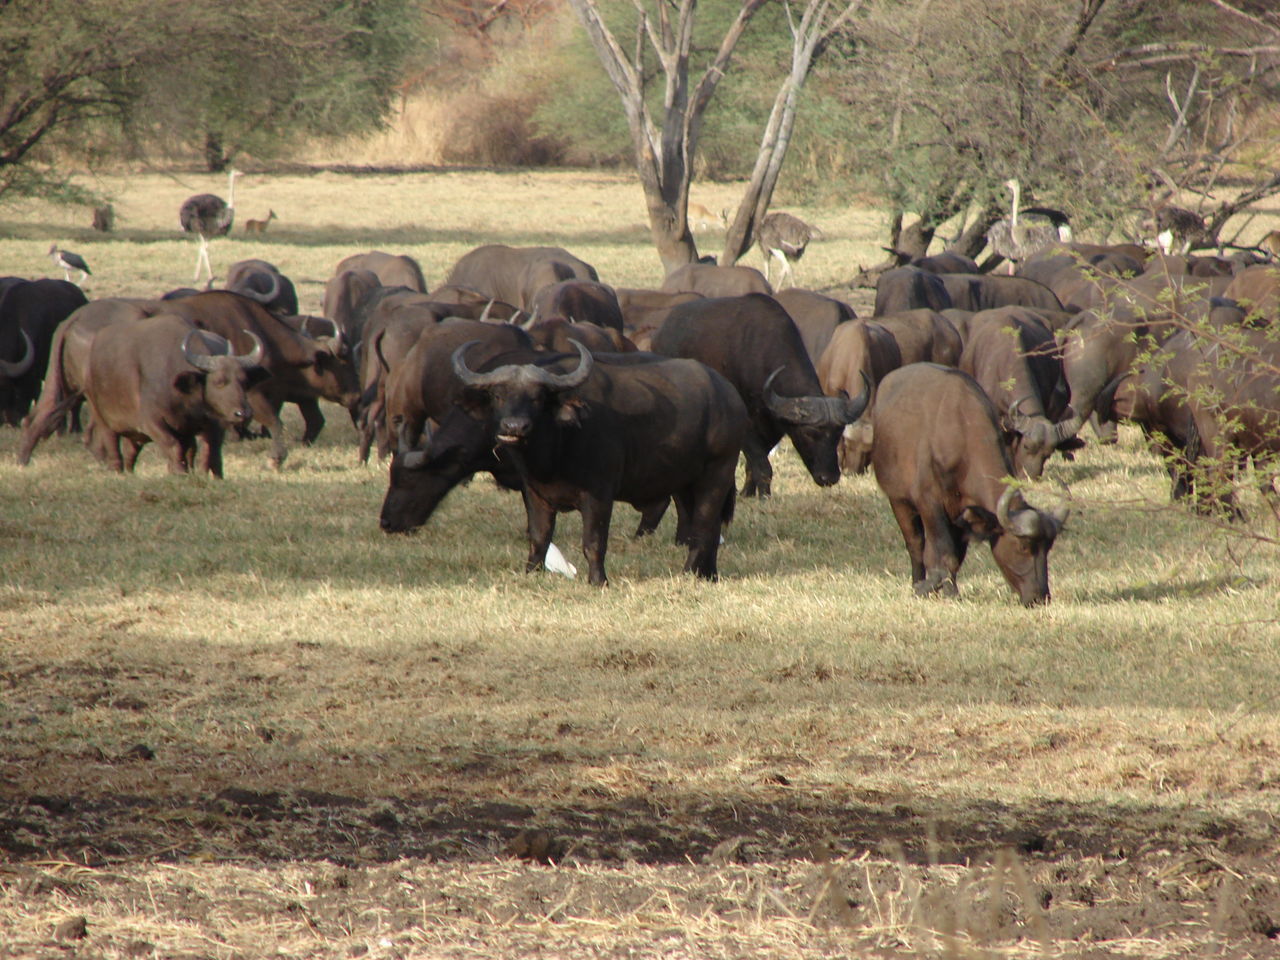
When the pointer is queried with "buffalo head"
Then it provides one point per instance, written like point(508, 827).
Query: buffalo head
point(1021, 538)
point(517, 394)
point(224, 377)
point(816, 425)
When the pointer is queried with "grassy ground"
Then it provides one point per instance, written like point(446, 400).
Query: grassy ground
point(238, 720)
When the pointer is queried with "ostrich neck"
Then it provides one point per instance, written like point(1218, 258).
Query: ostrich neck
point(231, 191)
point(1016, 196)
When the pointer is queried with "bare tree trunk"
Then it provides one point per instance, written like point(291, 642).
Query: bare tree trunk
point(809, 37)
point(662, 156)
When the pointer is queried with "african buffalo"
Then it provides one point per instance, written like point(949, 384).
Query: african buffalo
point(302, 369)
point(941, 460)
point(262, 281)
point(641, 431)
point(988, 291)
point(860, 353)
point(1016, 361)
point(1257, 289)
point(755, 345)
point(715, 281)
point(924, 336)
point(30, 311)
point(581, 301)
point(516, 274)
point(63, 390)
point(392, 270)
point(910, 288)
point(556, 334)
point(815, 316)
point(161, 379)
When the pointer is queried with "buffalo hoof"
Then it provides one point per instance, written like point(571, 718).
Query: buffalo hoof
point(936, 584)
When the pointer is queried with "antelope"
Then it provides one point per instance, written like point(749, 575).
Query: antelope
point(702, 218)
point(1270, 244)
point(259, 226)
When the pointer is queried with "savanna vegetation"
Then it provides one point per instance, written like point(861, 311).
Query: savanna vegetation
point(238, 720)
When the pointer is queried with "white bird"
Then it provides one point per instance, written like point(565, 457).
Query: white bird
point(208, 215)
point(69, 261)
point(557, 563)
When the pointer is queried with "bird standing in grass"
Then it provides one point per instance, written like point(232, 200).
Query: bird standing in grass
point(208, 215)
point(69, 261)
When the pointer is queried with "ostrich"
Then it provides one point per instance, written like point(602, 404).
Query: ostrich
point(1178, 227)
point(207, 216)
point(784, 237)
point(69, 261)
point(1017, 239)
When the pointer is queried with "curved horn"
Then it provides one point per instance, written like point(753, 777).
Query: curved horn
point(1002, 508)
point(484, 314)
point(245, 289)
point(16, 368)
point(198, 360)
point(470, 377)
point(1037, 432)
point(575, 377)
point(254, 357)
point(852, 409)
point(533, 318)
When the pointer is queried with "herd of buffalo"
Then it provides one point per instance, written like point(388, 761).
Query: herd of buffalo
point(578, 394)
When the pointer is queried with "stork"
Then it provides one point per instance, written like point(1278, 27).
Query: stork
point(69, 261)
point(207, 215)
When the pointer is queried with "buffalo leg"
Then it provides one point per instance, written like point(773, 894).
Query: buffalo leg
point(175, 449)
point(211, 455)
point(941, 562)
point(132, 449)
point(596, 512)
point(267, 413)
point(759, 479)
point(912, 534)
point(541, 526)
point(312, 420)
point(651, 515)
point(706, 511)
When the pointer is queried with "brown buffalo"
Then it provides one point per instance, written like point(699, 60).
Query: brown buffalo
point(163, 380)
point(711, 280)
point(516, 274)
point(860, 353)
point(941, 460)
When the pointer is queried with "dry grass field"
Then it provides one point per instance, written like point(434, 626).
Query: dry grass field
point(236, 720)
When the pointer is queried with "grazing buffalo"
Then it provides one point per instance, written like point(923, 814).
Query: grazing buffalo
point(262, 281)
point(163, 380)
point(30, 311)
point(583, 435)
point(714, 281)
point(1015, 360)
point(516, 274)
point(754, 344)
point(941, 460)
point(815, 316)
point(392, 270)
point(348, 298)
point(859, 353)
point(581, 301)
point(302, 369)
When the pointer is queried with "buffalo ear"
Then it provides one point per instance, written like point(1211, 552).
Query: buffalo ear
point(475, 402)
point(189, 381)
point(981, 523)
point(570, 411)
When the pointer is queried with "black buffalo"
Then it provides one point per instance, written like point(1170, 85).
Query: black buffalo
point(584, 434)
point(756, 346)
